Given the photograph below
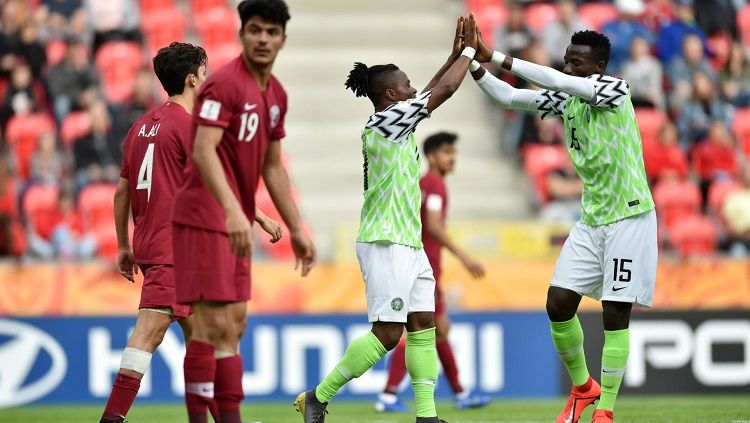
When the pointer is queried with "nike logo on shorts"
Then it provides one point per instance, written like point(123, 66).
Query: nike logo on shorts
point(617, 288)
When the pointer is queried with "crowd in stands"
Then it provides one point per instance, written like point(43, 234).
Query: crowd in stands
point(74, 76)
point(686, 62)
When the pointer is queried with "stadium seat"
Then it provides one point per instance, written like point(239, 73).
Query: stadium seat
point(595, 15)
point(539, 15)
point(40, 208)
point(163, 26)
point(218, 25)
point(22, 134)
point(106, 239)
point(95, 203)
point(693, 235)
point(220, 55)
point(55, 51)
point(489, 14)
point(118, 63)
point(720, 44)
point(199, 7)
point(74, 126)
point(539, 160)
point(741, 129)
point(743, 24)
point(676, 200)
point(718, 193)
point(650, 122)
point(149, 5)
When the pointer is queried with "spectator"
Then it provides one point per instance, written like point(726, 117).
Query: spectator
point(735, 78)
point(47, 162)
point(15, 14)
point(682, 69)
point(142, 102)
point(717, 16)
point(23, 95)
point(97, 155)
point(714, 158)
point(66, 240)
point(556, 35)
point(31, 50)
point(737, 218)
point(671, 37)
point(665, 157)
point(704, 107)
point(113, 20)
point(621, 32)
point(565, 190)
point(514, 36)
point(12, 240)
point(644, 75)
point(658, 14)
point(73, 82)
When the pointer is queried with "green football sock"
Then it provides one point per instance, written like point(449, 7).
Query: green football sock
point(422, 363)
point(568, 340)
point(360, 355)
point(614, 360)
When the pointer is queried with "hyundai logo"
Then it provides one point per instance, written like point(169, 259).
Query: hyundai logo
point(17, 358)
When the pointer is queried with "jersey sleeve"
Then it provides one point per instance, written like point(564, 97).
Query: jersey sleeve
point(215, 104)
point(609, 92)
point(278, 132)
point(551, 104)
point(400, 119)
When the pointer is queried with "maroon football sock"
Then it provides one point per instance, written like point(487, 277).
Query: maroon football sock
point(229, 392)
point(445, 352)
point(200, 369)
point(124, 390)
point(396, 368)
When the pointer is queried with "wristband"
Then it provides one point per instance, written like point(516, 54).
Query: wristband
point(474, 65)
point(469, 52)
point(497, 59)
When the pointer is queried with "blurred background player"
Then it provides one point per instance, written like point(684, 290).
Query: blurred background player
point(611, 252)
point(155, 153)
point(399, 283)
point(238, 125)
point(440, 151)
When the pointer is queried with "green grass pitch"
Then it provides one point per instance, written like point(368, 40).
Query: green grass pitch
point(661, 409)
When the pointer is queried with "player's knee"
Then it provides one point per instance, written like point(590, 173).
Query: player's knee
point(556, 310)
point(389, 334)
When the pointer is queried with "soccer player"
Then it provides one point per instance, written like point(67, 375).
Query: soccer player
point(611, 252)
point(155, 155)
point(238, 124)
point(440, 151)
point(399, 284)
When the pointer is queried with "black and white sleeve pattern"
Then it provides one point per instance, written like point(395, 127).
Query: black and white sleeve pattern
point(609, 92)
point(551, 104)
point(400, 119)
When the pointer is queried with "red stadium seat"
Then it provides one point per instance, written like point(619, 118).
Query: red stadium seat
point(118, 63)
point(743, 24)
point(163, 26)
point(539, 160)
point(489, 15)
point(22, 134)
point(218, 25)
point(201, 6)
point(149, 5)
point(96, 205)
point(74, 126)
point(106, 239)
point(40, 208)
point(693, 235)
point(741, 129)
point(595, 15)
point(56, 50)
point(539, 15)
point(718, 193)
point(676, 200)
point(220, 55)
point(650, 121)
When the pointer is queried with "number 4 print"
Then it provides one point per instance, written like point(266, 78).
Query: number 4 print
point(146, 172)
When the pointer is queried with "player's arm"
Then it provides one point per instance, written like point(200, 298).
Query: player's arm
point(277, 182)
point(434, 227)
point(458, 45)
point(125, 258)
point(207, 139)
point(503, 93)
point(452, 78)
point(269, 225)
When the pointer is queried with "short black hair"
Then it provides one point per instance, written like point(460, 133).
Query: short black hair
point(437, 140)
point(275, 11)
point(369, 81)
point(174, 63)
point(599, 43)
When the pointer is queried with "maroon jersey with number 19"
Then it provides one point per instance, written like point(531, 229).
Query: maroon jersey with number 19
point(251, 118)
point(154, 158)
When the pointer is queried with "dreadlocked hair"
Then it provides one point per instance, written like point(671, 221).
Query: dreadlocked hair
point(366, 81)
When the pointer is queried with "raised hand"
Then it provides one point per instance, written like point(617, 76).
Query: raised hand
point(458, 40)
point(484, 53)
point(471, 38)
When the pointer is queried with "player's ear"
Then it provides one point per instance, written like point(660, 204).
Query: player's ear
point(601, 67)
point(390, 94)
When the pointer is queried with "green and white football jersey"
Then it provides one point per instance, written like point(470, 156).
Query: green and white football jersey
point(390, 212)
point(604, 143)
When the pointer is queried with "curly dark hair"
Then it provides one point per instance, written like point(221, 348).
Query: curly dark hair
point(599, 43)
point(275, 11)
point(174, 63)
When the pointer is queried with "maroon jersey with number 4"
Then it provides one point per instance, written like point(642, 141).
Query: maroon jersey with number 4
point(155, 153)
point(251, 118)
point(434, 199)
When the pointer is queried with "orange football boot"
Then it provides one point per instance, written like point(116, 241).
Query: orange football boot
point(580, 398)
point(602, 416)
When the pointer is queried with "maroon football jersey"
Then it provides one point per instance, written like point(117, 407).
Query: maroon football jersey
point(434, 198)
point(251, 118)
point(153, 163)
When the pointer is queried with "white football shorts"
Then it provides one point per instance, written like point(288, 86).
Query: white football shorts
point(398, 281)
point(614, 262)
